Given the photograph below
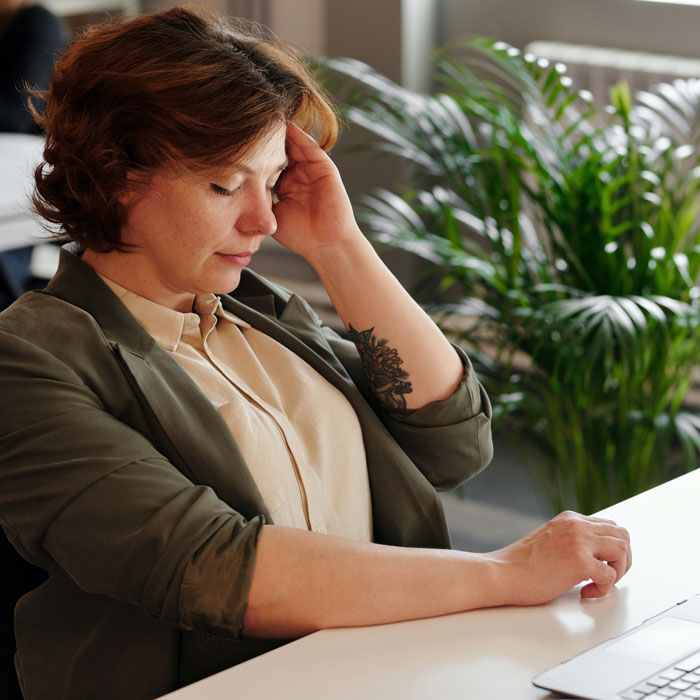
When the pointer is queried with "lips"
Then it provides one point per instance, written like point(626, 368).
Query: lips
point(236, 258)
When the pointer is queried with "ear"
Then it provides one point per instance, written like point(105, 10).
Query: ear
point(126, 198)
point(135, 183)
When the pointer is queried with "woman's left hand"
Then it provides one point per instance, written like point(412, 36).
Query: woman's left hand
point(313, 210)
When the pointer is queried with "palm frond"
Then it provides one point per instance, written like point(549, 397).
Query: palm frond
point(566, 241)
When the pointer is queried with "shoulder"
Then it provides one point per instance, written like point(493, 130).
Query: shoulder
point(45, 326)
point(38, 313)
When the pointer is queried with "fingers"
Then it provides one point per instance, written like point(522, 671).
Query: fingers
point(596, 519)
point(569, 549)
point(616, 552)
point(302, 147)
point(619, 539)
point(603, 578)
point(603, 550)
point(610, 556)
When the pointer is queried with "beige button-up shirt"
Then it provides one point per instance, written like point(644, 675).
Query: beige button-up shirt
point(298, 434)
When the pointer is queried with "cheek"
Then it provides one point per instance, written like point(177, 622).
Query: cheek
point(187, 230)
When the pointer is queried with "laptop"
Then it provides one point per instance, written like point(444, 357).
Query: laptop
point(657, 660)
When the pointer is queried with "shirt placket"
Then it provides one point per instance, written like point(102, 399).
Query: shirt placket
point(276, 414)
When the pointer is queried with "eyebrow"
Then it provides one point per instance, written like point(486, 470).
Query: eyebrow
point(249, 171)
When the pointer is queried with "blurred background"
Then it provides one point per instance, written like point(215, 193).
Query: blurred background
point(600, 41)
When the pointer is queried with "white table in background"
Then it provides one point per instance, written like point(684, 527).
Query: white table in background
point(19, 155)
point(485, 654)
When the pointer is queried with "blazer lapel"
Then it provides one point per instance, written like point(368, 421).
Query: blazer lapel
point(203, 446)
point(189, 430)
point(405, 507)
point(186, 425)
point(296, 329)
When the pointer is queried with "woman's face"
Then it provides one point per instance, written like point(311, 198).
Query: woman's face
point(194, 234)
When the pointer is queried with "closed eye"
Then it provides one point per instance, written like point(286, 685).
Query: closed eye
point(220, 190)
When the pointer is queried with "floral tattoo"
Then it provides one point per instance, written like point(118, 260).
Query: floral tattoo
point(383, 368)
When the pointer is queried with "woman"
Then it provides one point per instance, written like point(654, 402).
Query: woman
point(205, 477)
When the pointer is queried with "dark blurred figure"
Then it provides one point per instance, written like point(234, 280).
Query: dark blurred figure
point(30, 38)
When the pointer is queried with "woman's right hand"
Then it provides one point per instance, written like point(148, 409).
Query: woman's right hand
point(560, 554)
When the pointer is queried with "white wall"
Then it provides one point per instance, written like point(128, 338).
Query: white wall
point(300, 22)
point(658, 27)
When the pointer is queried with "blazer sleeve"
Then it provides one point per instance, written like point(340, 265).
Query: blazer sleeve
point(83, 491)
point(448, 440)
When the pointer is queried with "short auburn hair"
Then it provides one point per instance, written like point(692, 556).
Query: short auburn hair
point(184, 88)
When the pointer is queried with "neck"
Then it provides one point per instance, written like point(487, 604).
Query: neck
point(125, 270)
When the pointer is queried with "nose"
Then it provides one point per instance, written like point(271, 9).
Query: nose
point(256, 214)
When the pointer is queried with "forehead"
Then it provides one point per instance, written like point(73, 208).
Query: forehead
point(267, 152)
point(266, 156)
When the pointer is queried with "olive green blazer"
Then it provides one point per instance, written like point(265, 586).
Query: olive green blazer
point(120, 478)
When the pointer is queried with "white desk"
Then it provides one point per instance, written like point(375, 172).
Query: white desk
point(19, 155)
point(485, 654)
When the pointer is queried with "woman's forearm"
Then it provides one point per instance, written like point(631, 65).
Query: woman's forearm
point(305, 581)
point(414, 362)
point(407, 360)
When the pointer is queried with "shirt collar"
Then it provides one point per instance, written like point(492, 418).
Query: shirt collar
point(165, 324)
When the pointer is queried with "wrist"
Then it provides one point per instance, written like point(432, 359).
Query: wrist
point(498, 580)
point(482, 581)
point(350, 249)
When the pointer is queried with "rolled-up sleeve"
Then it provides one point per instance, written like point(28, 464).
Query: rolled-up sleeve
point(216, 582)
point(81, 490)
point(449, 440)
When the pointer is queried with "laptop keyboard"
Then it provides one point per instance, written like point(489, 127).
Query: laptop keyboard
point(680, 680)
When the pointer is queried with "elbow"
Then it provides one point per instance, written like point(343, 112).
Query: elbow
point(278, 620)
point(469, 456)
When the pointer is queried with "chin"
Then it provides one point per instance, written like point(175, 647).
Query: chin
point(227, 285)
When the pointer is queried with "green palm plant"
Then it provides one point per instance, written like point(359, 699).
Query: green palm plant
point(565, 239)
